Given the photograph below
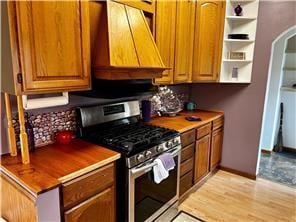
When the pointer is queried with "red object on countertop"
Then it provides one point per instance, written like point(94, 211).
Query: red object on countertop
point(64, 137)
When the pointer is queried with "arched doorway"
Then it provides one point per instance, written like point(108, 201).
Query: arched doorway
point(272, 96)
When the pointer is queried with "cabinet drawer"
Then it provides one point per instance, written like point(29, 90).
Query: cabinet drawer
point(186, 166)
point(188, 137)
point(186, 182)
point(97, 208)
point(87, 185)
point(203, 130)
point(217, 123)
point(187, 152)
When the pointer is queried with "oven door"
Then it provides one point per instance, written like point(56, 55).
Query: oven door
point(147, 200)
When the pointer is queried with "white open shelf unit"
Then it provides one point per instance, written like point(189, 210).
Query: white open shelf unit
point(243, 24)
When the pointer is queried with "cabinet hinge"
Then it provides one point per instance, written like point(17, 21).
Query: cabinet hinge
point(19, 78)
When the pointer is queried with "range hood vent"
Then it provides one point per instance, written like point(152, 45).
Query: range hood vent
point(122, 43)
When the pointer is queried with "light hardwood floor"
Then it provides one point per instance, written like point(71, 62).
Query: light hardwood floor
point(228, 197)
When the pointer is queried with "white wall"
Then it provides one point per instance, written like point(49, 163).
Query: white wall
point(288, 95)
point(288, 98)
point(272, 96)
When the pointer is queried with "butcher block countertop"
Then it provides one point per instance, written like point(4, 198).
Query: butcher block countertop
point(55, 164)
point(180, 124)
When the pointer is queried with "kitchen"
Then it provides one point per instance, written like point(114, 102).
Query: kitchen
point(86, 70)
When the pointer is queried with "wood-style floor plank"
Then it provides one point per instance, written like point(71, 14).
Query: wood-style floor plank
point(228, 197)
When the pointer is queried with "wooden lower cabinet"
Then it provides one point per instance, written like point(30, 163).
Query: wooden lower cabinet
point(86, 186)
point(15, 203)
point(186, 166)
point(187, 162)
point(216, 149)
point(186, 182)
point(202, 152)
point(90, 197)
point(187, 152)
point(97, 208)
point(188, 137)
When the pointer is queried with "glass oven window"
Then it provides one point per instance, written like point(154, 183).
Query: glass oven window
point(150, 197)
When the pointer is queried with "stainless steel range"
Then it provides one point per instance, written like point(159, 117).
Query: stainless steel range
point(118, 127)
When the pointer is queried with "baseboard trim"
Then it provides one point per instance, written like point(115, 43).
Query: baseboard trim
point(266, 152)
point(237, 172)
point(289, 149)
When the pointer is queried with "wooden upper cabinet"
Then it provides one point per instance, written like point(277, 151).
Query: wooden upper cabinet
point(207, 49)
point(53, 40)
point(184, 41)
point(165, 37)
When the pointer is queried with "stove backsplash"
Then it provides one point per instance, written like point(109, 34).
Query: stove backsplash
point(45, 125)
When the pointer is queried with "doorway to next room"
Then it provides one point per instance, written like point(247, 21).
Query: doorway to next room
point(277, 151)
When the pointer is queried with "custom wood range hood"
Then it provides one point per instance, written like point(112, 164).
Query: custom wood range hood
point(122, 43)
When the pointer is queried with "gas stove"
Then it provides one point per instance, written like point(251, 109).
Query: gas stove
point(135, 140)
point(119, 127)
point(139, 142)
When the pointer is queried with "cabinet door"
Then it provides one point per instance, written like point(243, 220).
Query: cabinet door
point(184, 41)
point(216, 149)
point(207, 49)
point(202, 152)
point(165, 37)
point(54, 45)
point(98, 208)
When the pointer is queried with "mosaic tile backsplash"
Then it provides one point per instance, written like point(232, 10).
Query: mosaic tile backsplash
point(46, 125)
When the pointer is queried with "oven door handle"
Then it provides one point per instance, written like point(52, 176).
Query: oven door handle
point(173, 152)
point(140, 169)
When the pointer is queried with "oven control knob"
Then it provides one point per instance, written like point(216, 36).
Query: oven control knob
point(148, 154)
point(169, 144)
point(140, 157)
point(176, 141)
point(159, 149)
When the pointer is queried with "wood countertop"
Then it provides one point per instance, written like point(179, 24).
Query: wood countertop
point(180, 124)
point(55, 164)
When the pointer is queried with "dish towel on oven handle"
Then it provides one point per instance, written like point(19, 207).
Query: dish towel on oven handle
point(164, 163)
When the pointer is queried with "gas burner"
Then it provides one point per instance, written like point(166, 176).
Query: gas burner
point(132, 138)
point(113, 126)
